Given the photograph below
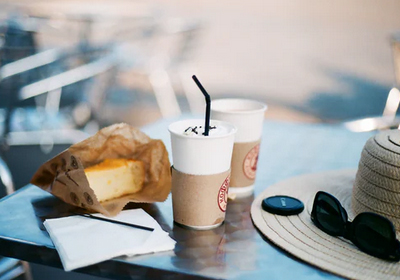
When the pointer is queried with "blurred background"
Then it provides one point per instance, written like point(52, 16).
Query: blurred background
point(308, 60)
point(68, 67)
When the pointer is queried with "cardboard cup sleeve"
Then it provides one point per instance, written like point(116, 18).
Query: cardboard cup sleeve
point(199, 200)
point(64, 175)
point(244, 164)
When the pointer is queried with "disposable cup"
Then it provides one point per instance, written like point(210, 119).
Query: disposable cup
point(248, 117)
point(200, 172)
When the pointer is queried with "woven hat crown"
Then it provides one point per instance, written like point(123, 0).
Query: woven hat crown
point(377, 183)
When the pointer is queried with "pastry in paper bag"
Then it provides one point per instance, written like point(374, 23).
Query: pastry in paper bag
point(64, 175)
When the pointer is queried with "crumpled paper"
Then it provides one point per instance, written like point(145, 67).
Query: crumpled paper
point(64, 175)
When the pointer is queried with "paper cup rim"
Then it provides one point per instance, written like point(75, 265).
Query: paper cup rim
point(298, 235)
point(262, 106)
point(232, 131)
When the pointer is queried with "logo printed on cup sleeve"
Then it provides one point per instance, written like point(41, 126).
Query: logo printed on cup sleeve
point(223, 194)
point(250, 162)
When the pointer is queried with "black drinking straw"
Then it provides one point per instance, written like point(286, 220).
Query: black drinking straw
point(114, 221)
point(208, 105)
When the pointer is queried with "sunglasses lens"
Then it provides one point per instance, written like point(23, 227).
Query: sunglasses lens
point(328, 214)
point(374, 234)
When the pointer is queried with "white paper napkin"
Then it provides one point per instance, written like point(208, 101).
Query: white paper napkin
point(81, 241)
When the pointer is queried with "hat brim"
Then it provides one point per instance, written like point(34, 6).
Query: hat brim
point(300, 237)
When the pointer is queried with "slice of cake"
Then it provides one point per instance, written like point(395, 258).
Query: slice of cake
point(113, 178)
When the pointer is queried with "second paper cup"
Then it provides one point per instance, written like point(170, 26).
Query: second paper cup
point(248, 117)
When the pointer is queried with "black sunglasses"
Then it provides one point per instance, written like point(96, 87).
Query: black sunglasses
point(370, 232)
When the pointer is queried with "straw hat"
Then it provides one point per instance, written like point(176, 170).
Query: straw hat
point(376, 189)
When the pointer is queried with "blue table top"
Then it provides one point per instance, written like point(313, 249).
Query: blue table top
point(235, 250)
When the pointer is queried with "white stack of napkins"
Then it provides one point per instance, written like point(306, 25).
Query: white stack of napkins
point(82, 241)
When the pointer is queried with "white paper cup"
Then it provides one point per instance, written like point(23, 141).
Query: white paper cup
point(248, 117)
point(201, 173)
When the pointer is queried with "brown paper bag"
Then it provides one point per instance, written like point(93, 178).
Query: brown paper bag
point(64, 175)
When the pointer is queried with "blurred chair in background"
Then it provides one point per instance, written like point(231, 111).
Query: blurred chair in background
point(386, 121)
point(389, 117)
point(161, 65)
point(155, 53)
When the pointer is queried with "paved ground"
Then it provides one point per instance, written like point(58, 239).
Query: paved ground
point(290, 50)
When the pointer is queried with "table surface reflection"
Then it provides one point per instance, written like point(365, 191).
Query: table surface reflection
point(235, 250)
